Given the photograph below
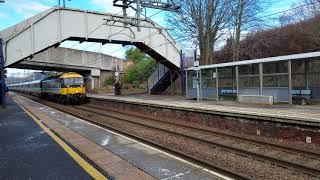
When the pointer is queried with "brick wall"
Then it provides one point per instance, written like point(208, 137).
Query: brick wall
point(291, 132)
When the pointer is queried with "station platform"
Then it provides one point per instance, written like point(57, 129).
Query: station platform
point(27, 151)
point(301, 114)
point(112, 154)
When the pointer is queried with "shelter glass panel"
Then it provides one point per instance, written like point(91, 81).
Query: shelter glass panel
point(249, 76)
point(208, 78)
point(227, 77)
point(191, 78)
point(227, 83)
point(314, 79)
point(191, 84)
point(275, 74)
point(275, 67)
point(208, 84)
point(314, 74)
point(298, 74)
point(251, 69)
point(275, 81)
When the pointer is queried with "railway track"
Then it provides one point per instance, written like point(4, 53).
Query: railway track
point(308, 162)
point(299, 158)
point(295, 161)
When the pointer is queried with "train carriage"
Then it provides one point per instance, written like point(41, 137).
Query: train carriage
point(67, 88)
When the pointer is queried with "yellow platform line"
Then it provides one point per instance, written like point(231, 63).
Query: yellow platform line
point(84, 164)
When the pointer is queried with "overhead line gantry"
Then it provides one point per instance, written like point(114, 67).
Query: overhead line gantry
point(166, 5)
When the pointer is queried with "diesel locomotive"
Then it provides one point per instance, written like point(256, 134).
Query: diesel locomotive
point(66, 88)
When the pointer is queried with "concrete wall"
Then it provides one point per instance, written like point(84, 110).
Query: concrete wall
point(104, 75)
point(69, 59)
point(93, 82)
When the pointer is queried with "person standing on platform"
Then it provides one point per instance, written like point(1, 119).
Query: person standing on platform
point(117, 88)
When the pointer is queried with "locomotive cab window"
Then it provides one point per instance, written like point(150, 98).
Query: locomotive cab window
point(72, 81)
point(78, 81)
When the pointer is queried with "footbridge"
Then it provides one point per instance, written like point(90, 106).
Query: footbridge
point(49, 29)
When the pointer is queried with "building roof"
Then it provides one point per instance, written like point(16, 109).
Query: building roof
point(302, 56)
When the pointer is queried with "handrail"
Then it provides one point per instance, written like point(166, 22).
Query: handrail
point(156, 76)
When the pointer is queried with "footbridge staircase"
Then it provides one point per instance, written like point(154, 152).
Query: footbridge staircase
point(50, 28)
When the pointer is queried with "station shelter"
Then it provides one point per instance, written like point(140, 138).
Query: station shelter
point(282, 79)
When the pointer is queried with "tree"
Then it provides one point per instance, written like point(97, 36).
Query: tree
point(294, 38)
point(245, 16)
point(141, 70)
point(201, 22)
point(308, 11)
point(134, 54)
point(204, 22)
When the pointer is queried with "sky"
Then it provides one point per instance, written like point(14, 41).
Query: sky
point(15, 11)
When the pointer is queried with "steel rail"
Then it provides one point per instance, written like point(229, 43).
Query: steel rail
point(240, 138)
point(290, 165)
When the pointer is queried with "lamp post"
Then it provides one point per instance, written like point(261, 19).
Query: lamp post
point(197, 69)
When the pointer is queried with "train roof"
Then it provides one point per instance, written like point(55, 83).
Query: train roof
point(29, 82)
point(64, 75)
point(70, 75)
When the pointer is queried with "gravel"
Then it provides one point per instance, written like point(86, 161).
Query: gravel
point(248, 166)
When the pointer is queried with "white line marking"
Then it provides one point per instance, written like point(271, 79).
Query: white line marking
point(177, 175)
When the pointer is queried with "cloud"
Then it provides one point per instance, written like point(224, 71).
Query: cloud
point(28, 8)
point(107, 5)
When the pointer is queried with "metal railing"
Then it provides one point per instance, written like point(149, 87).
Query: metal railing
point(156, 76)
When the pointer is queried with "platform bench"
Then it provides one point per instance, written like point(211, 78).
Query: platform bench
point(301, 96)
point(228, 93)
